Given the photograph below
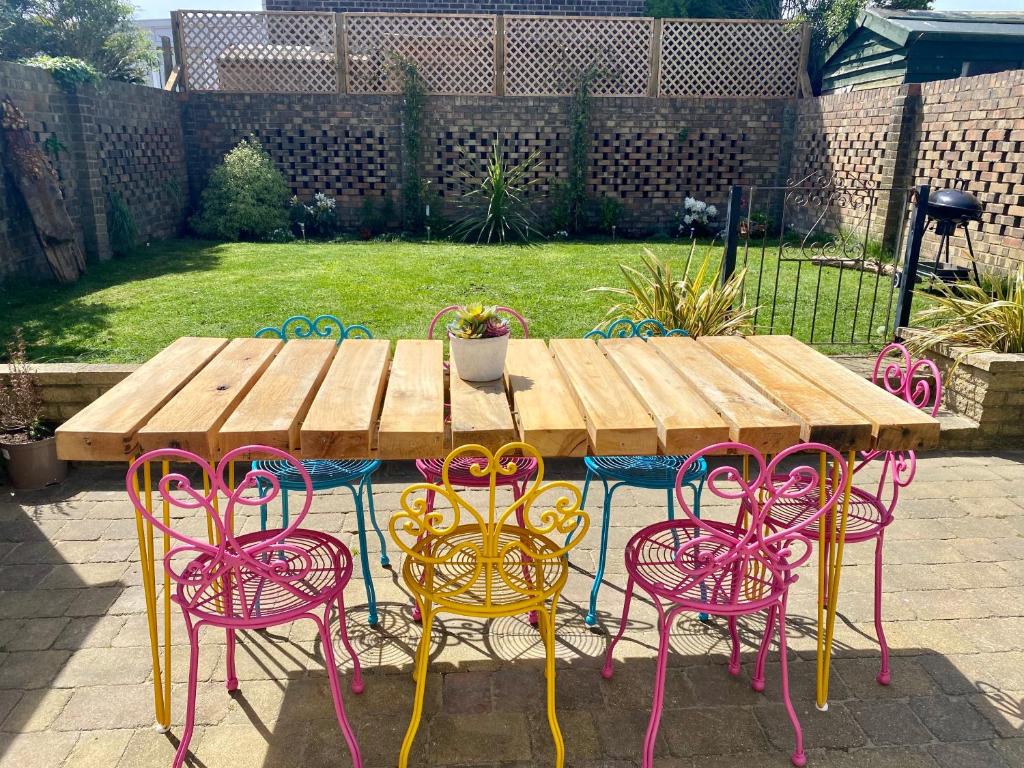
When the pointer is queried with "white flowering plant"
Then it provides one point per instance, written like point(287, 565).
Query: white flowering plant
point(317, 217)
point(698, 216)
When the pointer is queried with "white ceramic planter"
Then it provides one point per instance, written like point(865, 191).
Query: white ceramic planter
point(479, 359)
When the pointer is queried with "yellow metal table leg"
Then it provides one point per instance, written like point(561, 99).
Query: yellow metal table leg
point(830, 565)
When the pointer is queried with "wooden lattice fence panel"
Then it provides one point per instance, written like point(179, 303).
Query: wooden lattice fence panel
point(730, 58)
point(453, 54)
point(545, 55)
point(259, 52)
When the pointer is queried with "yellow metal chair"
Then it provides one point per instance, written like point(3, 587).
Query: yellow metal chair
point(487, 563)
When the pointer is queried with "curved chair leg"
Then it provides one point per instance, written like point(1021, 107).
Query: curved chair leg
point(284, 508)
point(602, 556)
point(606, 671)
point(757, 682)
point(547, 618)
point(190, 696)
point(367, 482)
point(332, 678)
point(583, 504)
point(884, 677)
point(229, 653)
point(734, 654)
point(263, 507)
point(357, 670)
point(416, 615)
point(799, 757)
point(364, 560)
point(664, 628)
point(420, 672)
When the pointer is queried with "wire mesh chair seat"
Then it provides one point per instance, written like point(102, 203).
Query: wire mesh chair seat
point(251, 581)
point(729, 569)
point(516, 582)
point(325, 473)
point(651, 561)
point(355, 475)
point(866, 517)
point(653, 472)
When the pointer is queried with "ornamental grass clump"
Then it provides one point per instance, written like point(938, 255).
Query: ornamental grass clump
point(700, 304)
point(495, 205)
point(975, 317)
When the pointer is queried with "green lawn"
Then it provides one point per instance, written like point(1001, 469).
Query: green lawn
point(127, 309)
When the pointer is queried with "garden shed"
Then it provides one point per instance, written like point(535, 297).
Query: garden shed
point(890, 47)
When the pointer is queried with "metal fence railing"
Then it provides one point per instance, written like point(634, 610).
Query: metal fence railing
point(488, 54)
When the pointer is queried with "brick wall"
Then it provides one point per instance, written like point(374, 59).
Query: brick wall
point(968, 129)
point(112, 138)
point(66, 388)
point(530, 7)
point(972, 128)
point(648, 153)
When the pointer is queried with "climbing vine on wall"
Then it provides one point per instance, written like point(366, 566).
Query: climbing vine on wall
point(413, 102)
point(579, 148)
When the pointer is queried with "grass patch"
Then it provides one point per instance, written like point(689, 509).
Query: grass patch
point(126, 310)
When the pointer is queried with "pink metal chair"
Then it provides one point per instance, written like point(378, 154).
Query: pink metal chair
point(253, 581)
point(919, 382)
point(729, 569)
point(459, 470)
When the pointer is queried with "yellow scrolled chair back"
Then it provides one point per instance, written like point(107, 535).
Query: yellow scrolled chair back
point(480, 544)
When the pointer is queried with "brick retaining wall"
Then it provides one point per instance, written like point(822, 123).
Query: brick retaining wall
point(66, 388)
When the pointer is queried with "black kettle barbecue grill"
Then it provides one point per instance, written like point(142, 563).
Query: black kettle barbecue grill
point(950, 209)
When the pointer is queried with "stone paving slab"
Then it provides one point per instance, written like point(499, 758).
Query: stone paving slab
point(75, 679)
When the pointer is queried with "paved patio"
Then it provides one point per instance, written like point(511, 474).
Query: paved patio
point(75, 661)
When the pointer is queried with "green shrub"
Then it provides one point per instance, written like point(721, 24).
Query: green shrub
point(68, 71)
point(246, 197)
point(124, 235)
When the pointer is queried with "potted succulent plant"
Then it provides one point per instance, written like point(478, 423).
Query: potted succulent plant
point(479, 340)
point(28, 449)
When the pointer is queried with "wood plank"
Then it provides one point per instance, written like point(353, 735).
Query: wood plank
point(685, 421)
point(193, 417)
point(412, 419)
point(545, 410)
point(823, 418)
point(752, 418)
point(105, 430)
point(480, 412)
point(342, 420)
point(271, 412)
point(896, 424)
point(617, 422)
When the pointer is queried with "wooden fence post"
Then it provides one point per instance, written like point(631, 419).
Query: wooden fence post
point(806, 90)
point(167, 55)
point(341, 51)
point(499, 54)
point(653, 85)
point(179, 49)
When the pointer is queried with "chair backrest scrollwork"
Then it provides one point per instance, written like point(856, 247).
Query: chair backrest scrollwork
point(624, 328)
point(541, 526)
point(720, 558)
point(319, 327)
point(224, 562)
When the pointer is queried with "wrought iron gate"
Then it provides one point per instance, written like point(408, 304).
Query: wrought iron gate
point(822, 258)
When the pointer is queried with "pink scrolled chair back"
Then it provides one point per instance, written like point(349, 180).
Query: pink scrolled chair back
point(756, 491)
point(504, 310)
point(207, 563)
point(899, 374)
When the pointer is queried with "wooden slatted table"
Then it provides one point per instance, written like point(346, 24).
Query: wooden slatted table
point(568, 397)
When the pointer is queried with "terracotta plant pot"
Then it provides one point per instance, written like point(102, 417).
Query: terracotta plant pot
point(34, 464)
point(479, 359)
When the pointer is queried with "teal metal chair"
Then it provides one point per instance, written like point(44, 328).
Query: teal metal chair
point(653, 472)
point(353, 474)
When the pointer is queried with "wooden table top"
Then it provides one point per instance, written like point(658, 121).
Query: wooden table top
point(567, 397)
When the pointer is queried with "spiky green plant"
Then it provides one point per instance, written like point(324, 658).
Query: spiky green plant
point(475, 321)
point(700, 304)
point(495, 199)
point(975, 317)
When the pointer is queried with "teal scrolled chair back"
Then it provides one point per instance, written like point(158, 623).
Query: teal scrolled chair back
point(319, 327)
point(624, 328)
